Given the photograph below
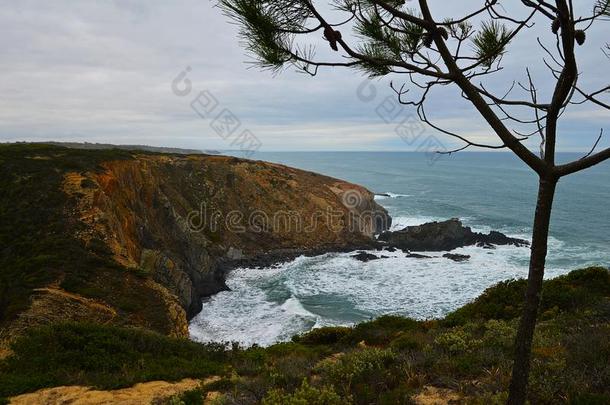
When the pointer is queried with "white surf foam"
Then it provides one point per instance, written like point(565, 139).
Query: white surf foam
point(247, 315)
point(293, 306)
point(345, 291)
point(401, 222)
point(384, 196)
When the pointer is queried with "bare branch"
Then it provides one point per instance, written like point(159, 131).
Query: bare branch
point(599, 138)
point(584, 163)
point(475, 97)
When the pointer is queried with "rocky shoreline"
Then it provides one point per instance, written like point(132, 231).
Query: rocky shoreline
point(162, 231)
point(429, 237)
point(225, 265)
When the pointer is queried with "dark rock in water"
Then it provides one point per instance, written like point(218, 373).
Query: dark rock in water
point(365, 257)
point(456, 257)
point(391, 249)
point(498, 238)
point(447, 235)
point(418, 256)
point(385, 257)
point(485, 245)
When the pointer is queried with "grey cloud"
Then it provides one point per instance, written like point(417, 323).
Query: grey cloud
point(101, 71)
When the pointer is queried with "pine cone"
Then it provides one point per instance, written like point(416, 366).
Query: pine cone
point(580, 37)
point(443, 32)
point(555, 26)
point(331, 36)
point(427, 40)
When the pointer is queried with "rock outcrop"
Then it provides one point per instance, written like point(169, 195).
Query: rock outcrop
point(417, 256)
point(456, 257)
point(365, 257)
point(444, 236)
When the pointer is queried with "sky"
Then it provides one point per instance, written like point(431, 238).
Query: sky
point(110, 72)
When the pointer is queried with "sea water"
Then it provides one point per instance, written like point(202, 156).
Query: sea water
point(488, 191)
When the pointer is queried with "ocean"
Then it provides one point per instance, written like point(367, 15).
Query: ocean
point(487, 191)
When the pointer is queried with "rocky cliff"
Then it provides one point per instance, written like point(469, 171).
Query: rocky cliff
point(165, 227)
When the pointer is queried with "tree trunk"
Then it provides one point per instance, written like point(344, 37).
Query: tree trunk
point(523, 341)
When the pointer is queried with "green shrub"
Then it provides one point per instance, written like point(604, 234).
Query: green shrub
point(356, 365)
point(498, 398)
point(288, 371)
point(591, 399)
point(175, 400)
point(191, 397)
point(548, 380)
point(499, 334)
point(456, 340)
point(324, 336)
point(364, 373)
point(305, 395)
point(382, 330)
point(224, 384)
point(104, 357)
point(504, 301)
point(400, 395)
point(576, 289)
point(409, 341)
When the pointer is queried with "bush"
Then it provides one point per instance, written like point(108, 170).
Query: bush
point(498, 398)
point(504, 301)
point(591, 399)
point(499, 334)
point(382, 330)
point(576, 289)
point(305, 395)
point(409, 341)
point(456, 340)
point(104, 357)
point(398, 396)
point(191, 397)
point(324, 336)
point(363, 374)
point(356, 365)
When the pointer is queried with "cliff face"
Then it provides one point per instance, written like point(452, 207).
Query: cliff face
point(176, 217)
point(176, 223)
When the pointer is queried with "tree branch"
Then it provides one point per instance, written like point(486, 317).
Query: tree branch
point(582, 164)
point(474, 96)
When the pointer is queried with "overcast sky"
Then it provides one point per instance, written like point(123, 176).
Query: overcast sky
point(103, 71)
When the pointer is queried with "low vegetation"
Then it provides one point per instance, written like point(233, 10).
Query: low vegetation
point(106, 357)
point(390, 360)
